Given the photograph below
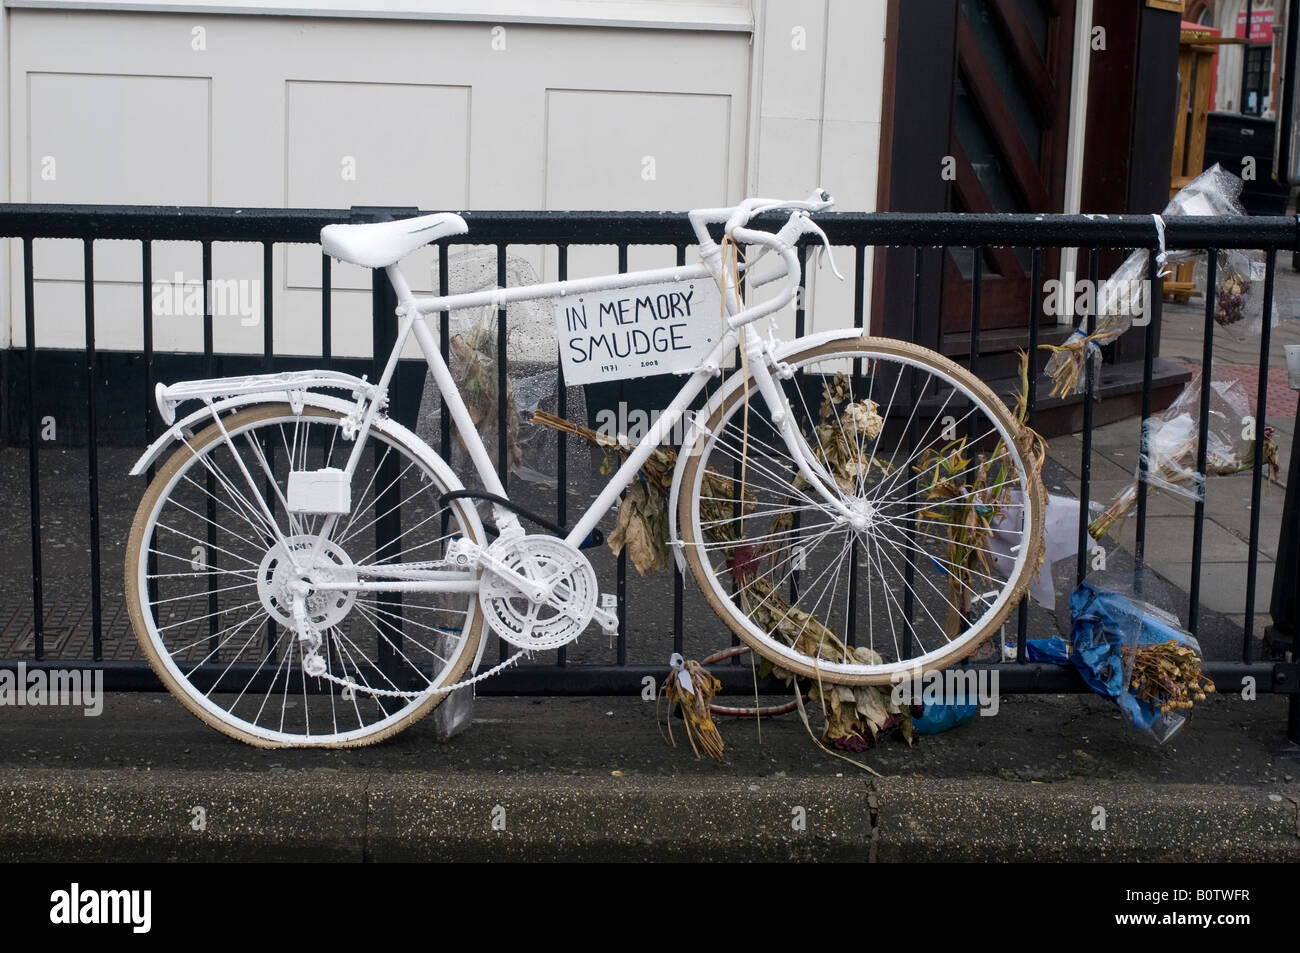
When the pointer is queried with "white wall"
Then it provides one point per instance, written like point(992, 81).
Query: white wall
point(819, 77)
point(509, 104)
point(632, 14)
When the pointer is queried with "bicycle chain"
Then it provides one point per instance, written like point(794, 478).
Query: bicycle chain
point(314, 641)
point(445, 690)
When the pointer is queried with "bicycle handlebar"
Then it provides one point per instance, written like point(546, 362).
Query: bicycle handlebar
point(790, 268)
point(738, 216)
point(819, 201)
point(781, 241)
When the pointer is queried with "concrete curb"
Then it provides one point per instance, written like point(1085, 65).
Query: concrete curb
point(61, 815)
point(924, 819)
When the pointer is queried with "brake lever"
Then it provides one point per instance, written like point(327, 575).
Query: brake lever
point(825, 248)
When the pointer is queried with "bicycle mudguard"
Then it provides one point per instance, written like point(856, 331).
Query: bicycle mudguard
point(204, 414)
point(733, 381)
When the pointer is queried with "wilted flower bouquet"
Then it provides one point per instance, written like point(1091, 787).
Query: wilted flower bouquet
point(1167, 676)
point(690, 686)
point(472, 360)
point(1136, 654)
point(642, 525)
point(1125, 295)
point(1170, 448)
point(1231, 290)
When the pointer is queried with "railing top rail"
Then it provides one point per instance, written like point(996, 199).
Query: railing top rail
point(194, 223)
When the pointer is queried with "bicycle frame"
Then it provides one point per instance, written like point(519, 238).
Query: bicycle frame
point(760, 356)
point(413, 310)
point(262, 466)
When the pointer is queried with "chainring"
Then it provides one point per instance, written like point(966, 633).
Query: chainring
point(559, 618)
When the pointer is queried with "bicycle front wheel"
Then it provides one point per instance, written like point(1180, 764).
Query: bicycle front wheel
point(208, 578)
point(938, 535)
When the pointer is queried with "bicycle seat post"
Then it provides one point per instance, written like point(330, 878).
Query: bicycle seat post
point(382, 296)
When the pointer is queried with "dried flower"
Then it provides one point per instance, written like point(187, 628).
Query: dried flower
point(951, 473)
point(701, 732)
point(1230, 298)
point(1167, 676)
point(472, 362)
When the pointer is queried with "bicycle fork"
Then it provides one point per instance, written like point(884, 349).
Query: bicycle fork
point(766, 369)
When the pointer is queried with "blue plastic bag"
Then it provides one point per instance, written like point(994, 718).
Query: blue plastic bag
point(1106, 629)
point(1055, 650)
point(941, 716)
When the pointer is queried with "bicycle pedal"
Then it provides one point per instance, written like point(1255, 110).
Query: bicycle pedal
point(607, 615)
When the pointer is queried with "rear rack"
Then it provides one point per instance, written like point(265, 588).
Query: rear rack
point(292, 383)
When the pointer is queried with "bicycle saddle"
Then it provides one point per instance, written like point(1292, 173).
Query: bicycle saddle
point(380, 244)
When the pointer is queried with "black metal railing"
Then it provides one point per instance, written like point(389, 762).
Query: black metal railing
point(560, 674)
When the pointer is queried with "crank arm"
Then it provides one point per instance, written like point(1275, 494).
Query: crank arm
point(536, 592)
point(608, 620)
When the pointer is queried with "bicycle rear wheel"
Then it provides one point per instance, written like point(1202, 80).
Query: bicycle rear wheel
point(206, 580)
point(944, 529)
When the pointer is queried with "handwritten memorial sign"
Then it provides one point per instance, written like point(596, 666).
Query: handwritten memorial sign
point(667, 328)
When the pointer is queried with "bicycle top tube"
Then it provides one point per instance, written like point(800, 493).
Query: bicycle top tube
point(386, 244)
point(497, 297)
point(734, 218)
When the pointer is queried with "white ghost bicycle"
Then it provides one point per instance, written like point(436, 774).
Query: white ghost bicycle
point(304, 570)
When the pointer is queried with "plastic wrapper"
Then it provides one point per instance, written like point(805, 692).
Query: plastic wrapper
point(456, 713)
point(1124, 295)
point(943, 716)
point(1170, 442)
point(532, 377)
point(1119, 299)
point(1238, 291)
point(1060, 541)
point(1133, 653)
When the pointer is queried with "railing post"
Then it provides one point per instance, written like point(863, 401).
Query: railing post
point(1281, 635)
